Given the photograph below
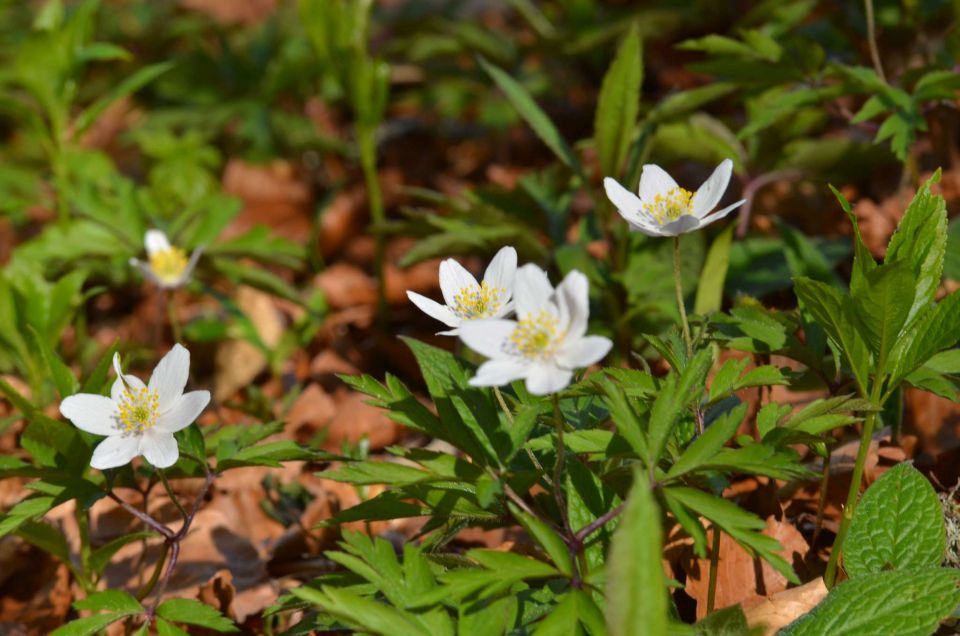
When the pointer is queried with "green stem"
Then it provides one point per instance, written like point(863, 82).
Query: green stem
point(830, 576)
point(533, 458)
point(170, 493)
point(822, 503)
point(714, 563)
point(872, 40)
point(84, 576)
point(368, 161)
point(158, 568)
point(678, 286)
point(172, 316)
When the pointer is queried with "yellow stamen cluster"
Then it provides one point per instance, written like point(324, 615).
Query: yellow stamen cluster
point(534, 335)
point(139, 410)
point(478, 302)
point(670, 206)
point(168, 265)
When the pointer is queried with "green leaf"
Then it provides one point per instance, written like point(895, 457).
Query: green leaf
point(87, 625)
point(191, 612)
point(551, 542)
point(533, 115)
point(881, 305)
point(935, 329)
point(705, 447)
point(169, 629)
point(710, 286)
point(26, 510)
point(676, 395)
point(98, 377)
point(898, 525)
point(368, 614)
point(905, 603)
point(729, 621)
point(512, 565)
point(831, 310)
point(100, 558)
point(116, 601)
point(618, 104)
point(921, 240)
point(128, 86)
point(47, 538)
point(63, 378)
point(271, 454)
point(636, 587)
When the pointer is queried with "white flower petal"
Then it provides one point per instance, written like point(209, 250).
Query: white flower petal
point(92, 413)
point(709, 194)
point(719, 214)
point(434, 309)
point(191, 265)
point(499, 372)
point(502, 270)
point(626, 202)
point(448, 332)
point(116, 450)
point(135, 384)
point(183, 412)
point(145, 270)
point(654, 180)
point(159, 448)
point(532, 290)
point(453, 278)
point(686, 223)
point(170, 376)
point(488, 336)
point(155, 241)
point(645, 229)
point(544, 379)
point(573, 298)
point(583, 352)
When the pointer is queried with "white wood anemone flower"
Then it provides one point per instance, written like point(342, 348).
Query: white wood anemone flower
point(137, 418)
point(548, 340)
point(467, 300)
point(665, 209)
point(167, 265)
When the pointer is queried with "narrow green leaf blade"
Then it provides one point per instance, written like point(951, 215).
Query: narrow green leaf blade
point(619, 104)
point(636, 587)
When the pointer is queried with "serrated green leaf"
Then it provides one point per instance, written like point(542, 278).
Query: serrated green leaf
point(551, 542)
point(192, 612)
point(897, 525)
point(115, 601)
point(636, 588)
point(906, 603)
point(881, 305)
point(921, 240)
point(87, 625)
point(619, 104)
point(707, 445)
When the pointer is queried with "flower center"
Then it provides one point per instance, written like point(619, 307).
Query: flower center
point(478, 302)
point(139, 410)
point(670, 206)
point(168, 266)
point(534, 336)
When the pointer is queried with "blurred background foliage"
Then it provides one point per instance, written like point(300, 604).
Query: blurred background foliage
point(493, 119)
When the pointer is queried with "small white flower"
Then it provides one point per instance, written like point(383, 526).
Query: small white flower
point(664, 208)
point(546, 342)
point(166, 265)
point(139, 419)
point(467, 300)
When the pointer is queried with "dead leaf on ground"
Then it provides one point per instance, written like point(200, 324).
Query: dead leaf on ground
point(783, 608)
point(738, 577)
point(273, 195)
point(346, 286)
point(238, 362)
point(233, 12)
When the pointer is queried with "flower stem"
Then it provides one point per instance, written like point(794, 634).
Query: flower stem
point(822, 503)
point(678, 285)
point(714, 567)
point(533, 458)
point(830, 576)
point(872, 40)
point(172, 316)
point(170, 493)
point(366, 140)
